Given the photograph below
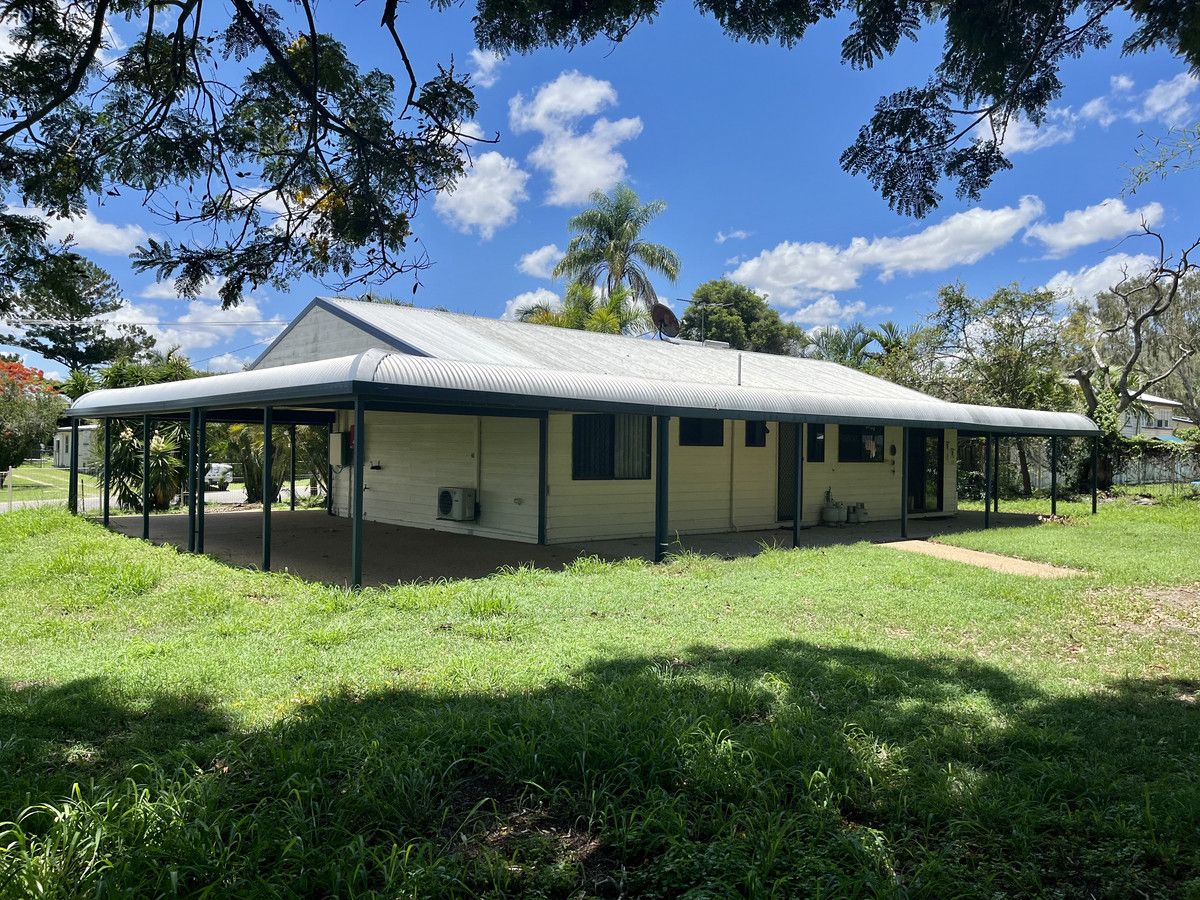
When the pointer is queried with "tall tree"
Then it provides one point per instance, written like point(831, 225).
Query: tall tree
point(1005, 350)
point(907, 355)
point(608, 249)
point(29, 411)
point(58, 312)
point(722, 310)
point(1139, 333)
point(583, 309)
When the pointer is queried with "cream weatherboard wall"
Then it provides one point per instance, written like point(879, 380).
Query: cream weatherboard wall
point(712, 489)
point(318, 335)
point(410, 455)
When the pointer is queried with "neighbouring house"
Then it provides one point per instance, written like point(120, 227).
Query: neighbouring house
point(502, 429)
point(1156, 418)
point(62, 446)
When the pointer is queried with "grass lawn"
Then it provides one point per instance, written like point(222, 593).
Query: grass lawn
point(43, 483)
point(842, 721)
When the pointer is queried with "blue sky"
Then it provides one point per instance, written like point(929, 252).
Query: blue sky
point(742, 143)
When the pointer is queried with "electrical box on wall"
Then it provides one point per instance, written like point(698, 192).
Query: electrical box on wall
point(339, 449)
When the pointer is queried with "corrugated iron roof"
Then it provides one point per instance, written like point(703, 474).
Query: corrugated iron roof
point(404, 378)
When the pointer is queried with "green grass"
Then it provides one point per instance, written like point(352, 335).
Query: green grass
point(843, 721)
point(43, 483)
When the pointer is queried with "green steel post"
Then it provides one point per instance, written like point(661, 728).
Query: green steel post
point(904, 444)
point(1054, 476)
point(798, 515)
point(268, 462)
point(987, 481)
point(661, 480)
point(543, 457)
point(73, 487)
point(107, 469)
point(356, 525)
point(202, 472)
point(191, 481)
point(1095, 471)
point(146, 437)
point(292, 470)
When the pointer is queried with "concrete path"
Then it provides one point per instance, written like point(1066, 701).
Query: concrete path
point(1010, 565)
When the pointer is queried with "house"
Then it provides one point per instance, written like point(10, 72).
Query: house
point(501, 429)
point(1153, 417)
point(62, 446)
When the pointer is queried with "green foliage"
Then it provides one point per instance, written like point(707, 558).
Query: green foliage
point(29, 411)
point(57, 306)
point(742, 318)
point(166, 466)
point(849, 346)
point(275, 154)
point(607, 246)
point(245, 444)
point(834, 722)
point(583, 309)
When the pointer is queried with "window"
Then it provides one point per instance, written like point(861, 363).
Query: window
point(607, 447)
point(701, 432)
point(860, 443)
point(815, 452)
point(756, 434)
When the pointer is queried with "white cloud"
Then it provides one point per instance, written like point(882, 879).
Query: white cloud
point(530, 298)
point(165, 290)
point(1023, 137)
point(486, 197)
point(577, 161)
point(734, 260)
point(828, 310)
point(226, 362)
point(1088, 281)
point(540, 263)
point(487, 67)
point(1080, 227)
point(204, 324)
point(737, 234)
point(89, 233)
point(1168, 102)
point(792, 273)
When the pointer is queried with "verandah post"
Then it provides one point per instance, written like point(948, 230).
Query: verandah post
point(1095, 471)
point(798, 517)
point(987, 480)
point(107, 469)
point(543, 470)
point(356, 522)
point(146, 437)
point(661, 479)
point(202, 476)
point(191, 481)
point(904, 482)
point(292, 467)
point(73, 487)
point(268, 459)
point(996, 475)
point(1054, 475)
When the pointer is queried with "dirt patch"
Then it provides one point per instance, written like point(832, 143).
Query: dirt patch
point(1010, 565)
point(1169, 609)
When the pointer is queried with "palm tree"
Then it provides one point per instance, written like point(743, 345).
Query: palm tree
point(846, 346)
point(584, 310)
point(607, 245)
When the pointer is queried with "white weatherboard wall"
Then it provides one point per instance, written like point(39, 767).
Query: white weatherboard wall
point(320, 335)
point(417, 453)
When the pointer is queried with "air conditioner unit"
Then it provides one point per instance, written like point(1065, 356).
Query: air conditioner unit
point(457, 503)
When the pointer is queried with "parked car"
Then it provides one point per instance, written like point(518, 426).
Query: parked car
point(218, 476)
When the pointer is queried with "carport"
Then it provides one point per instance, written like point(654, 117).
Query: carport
point(313, 392)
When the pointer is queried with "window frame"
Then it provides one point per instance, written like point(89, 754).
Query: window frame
point(814, 439)
point(701, 439)
point(760, 433)
point(846, 430)
point(613, 431)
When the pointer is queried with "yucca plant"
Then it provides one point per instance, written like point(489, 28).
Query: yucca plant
point(166, 466)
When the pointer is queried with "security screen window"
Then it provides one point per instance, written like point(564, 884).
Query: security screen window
point(860, 443)
point(756, 434)
point(701, 432)
point(815, 452)
point(609, 447)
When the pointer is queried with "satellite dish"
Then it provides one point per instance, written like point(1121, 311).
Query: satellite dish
point(664, 320)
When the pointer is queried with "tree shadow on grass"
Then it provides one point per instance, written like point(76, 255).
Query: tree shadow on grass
point(783, 770)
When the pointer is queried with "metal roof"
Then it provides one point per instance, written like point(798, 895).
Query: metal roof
point(404, 378)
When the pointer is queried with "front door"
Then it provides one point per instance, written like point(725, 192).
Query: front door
point(789, 446)
point(926, 470)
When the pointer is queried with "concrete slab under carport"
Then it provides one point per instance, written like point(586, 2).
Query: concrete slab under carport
point(316, 546)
